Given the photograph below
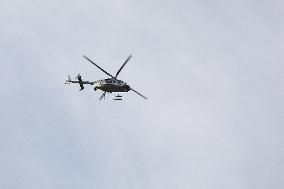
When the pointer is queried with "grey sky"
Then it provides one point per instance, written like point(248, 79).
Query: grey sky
point(212, 70)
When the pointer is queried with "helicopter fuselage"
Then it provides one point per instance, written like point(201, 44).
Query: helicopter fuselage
point(112, 85)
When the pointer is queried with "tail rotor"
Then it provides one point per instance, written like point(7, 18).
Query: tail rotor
point(68, 81)
point(80, 82)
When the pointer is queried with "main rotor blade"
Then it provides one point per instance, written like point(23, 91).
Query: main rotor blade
point(123, 65)
point(98, 66)
point(103, 95)
point(139, 94)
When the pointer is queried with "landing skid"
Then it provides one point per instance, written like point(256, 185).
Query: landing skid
point(117, 97)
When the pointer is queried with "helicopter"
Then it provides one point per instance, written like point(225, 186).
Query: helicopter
point(108, 85)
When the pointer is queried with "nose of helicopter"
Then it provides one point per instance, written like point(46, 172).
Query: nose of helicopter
point(127, 88)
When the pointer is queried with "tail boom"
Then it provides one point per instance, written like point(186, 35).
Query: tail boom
point(79, 81)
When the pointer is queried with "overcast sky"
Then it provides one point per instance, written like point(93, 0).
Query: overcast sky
point(212, 71)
